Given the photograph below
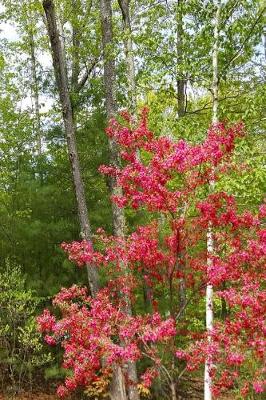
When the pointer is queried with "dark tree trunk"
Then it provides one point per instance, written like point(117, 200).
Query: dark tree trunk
point(70, 130)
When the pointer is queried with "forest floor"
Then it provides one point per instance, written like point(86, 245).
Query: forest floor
point(30, 396)
point(44, 396)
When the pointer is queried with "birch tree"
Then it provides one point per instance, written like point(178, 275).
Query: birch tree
point(210, 240)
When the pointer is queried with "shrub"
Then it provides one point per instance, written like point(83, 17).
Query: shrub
point(21, 350)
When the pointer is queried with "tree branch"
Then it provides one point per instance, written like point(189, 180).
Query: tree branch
point(237, 53)
point(86, 75)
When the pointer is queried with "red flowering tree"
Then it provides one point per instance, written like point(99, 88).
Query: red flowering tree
point(167, 259)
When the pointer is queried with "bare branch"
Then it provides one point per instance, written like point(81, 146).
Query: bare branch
point(86, 75)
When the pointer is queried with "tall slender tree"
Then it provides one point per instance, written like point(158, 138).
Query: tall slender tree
point(35, 85)
point(210, 240)
point(181, 83)
point(60, 70)
point(111, 105)
point(130, 62)
point(119, 223)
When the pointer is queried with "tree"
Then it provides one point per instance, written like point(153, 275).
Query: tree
point(210, 241)
point(179, 52)
point(128, 43)
point(167, 175)
point(119, 223)
point(70, 129)
point(21, 349)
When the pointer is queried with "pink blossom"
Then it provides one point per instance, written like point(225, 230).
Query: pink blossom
point(259, 386)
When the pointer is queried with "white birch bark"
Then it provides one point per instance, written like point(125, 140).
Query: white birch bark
point(210, 242)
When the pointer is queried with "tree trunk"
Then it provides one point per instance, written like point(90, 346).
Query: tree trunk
point(209, 318)
point(181, 83)
point(181, 266)
point(117, 386)
point(264, 41)
point(119, 224)
point(75, 52)
point(210, 242)
point(181, 109)
point(124, 6)
point(34, 80)
point(173, 391)
point(215, 72)
point(70, 130)
point(35, 94)
point(147, 296)
point(111, 106)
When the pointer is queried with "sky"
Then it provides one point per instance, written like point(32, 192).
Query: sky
point(8, 31)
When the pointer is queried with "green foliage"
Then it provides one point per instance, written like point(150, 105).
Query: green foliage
point(247, 181)
point(22, 352)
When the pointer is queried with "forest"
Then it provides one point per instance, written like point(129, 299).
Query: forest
point(132, 199)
